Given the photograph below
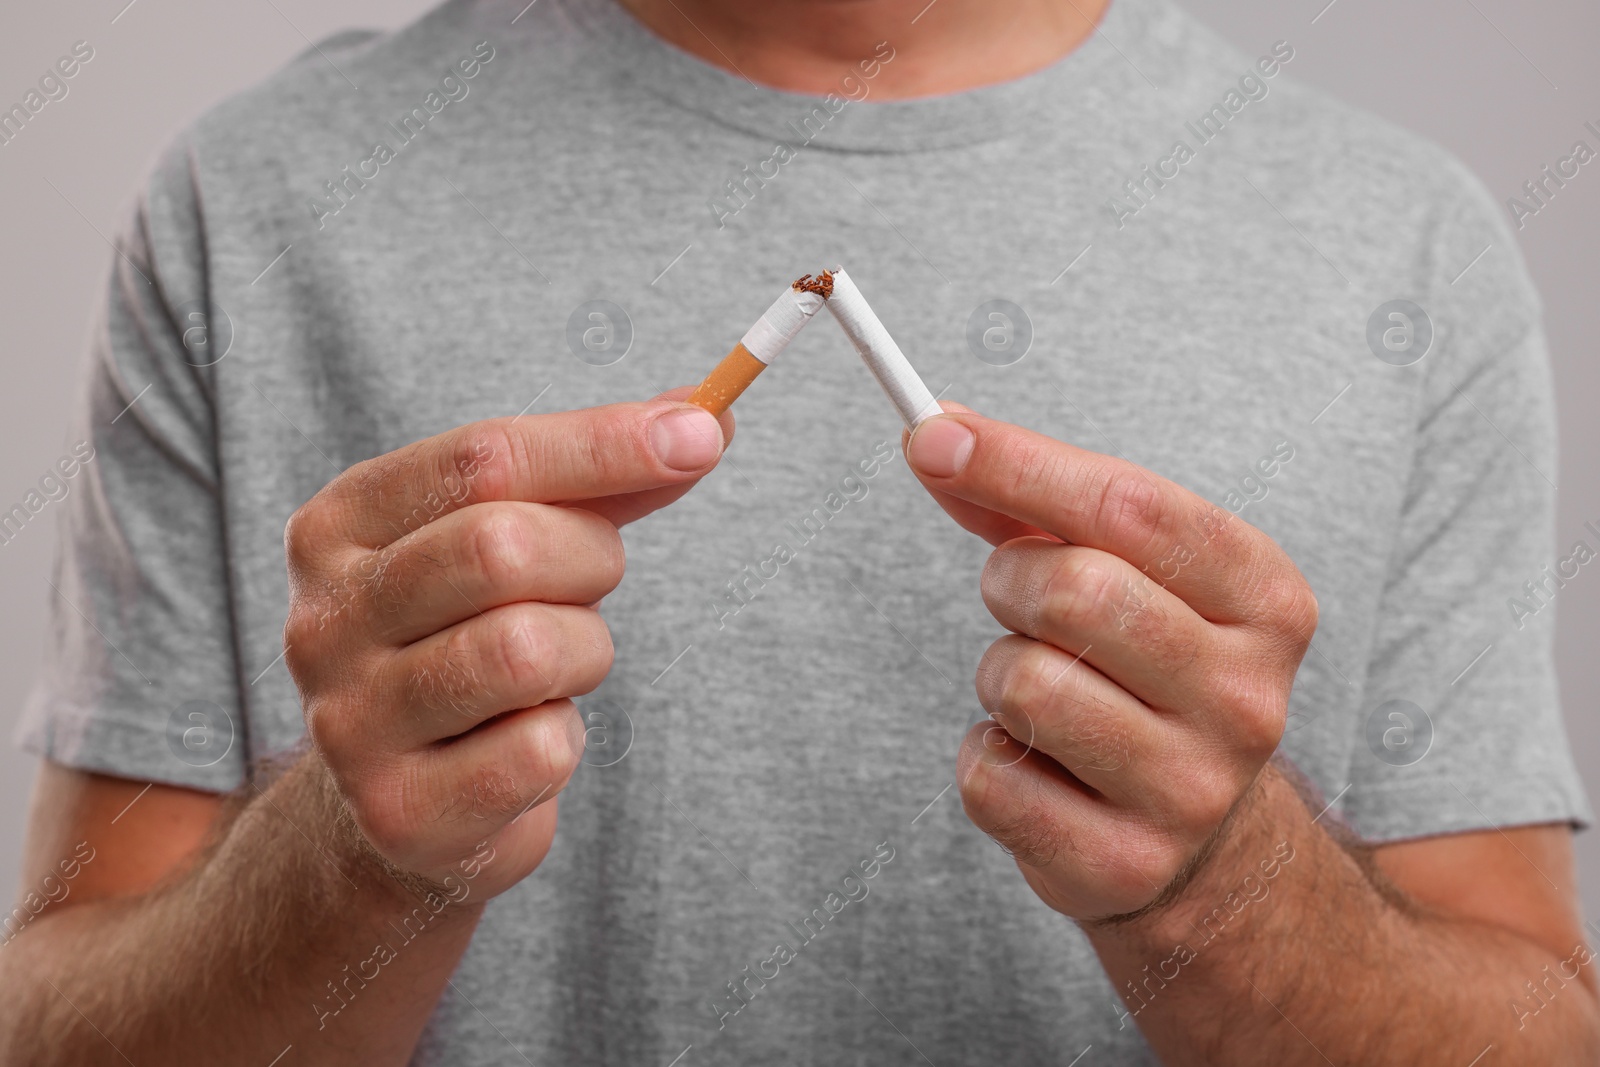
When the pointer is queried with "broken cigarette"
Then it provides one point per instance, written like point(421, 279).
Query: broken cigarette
point(785, 319)
point(761, 344)
point(879, 352)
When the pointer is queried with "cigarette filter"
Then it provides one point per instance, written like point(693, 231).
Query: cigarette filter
point(769, 336)
point(877, 349)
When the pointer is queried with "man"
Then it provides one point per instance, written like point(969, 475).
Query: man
point(1220, 388)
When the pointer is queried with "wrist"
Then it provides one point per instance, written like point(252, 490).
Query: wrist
point(1231, 872)
point(356, 864)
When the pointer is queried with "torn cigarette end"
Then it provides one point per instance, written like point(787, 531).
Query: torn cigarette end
point(762, 343)
point(822, 284)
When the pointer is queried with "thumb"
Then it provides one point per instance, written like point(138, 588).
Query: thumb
point(939, 445)
point(630, 507)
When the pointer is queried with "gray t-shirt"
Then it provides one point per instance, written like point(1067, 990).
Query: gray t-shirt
point(796, 639)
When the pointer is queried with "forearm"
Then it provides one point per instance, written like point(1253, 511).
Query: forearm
point(1287, 948)
point(286, 932)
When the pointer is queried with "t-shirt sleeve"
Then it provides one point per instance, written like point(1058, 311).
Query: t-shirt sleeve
point(1461, 726)
point(140, 677)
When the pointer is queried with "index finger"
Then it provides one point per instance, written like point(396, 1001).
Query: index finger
point(543, 459)
point(1204, 555)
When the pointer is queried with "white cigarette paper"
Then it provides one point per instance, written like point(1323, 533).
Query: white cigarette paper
point(879, 352)
point(786, 317)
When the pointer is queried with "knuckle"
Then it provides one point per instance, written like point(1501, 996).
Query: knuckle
point(547, 749)
point(977, 789)
point(986, 777)
point(1297, 608)
point(1082, 590)
point(1141, 876)
point(1033, 683)
point(1014, 577)
point(1282, 597)
point(327, 723)
point(610, 557)
point(520, 646)
point(302, 535)
point(1257, 716)
point(975, 775)
point(999, 579)
point(572, 657)
point(387, 825)
point(1212, 804)
point(365, 479)
point(1131, 509)
point(318, 726)
point(559, 752)
point(301, 628)
point(1209, 799)
point(498, 545)
point(1079, 729)
point(587, 545)
point(482, 457)
point(603, 651)
point(994, 671)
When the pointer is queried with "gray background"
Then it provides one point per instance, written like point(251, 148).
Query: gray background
point(1505, 86)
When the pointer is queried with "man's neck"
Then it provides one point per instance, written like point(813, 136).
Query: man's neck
point(803, 46)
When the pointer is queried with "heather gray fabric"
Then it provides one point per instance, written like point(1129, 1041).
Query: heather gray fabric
point(796, 639)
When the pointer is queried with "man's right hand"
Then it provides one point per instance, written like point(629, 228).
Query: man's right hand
point(443, 612)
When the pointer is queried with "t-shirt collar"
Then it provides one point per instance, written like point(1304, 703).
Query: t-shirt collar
point(988, 113)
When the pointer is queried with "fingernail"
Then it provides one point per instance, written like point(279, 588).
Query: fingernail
point(940, 447)
point(687, 438)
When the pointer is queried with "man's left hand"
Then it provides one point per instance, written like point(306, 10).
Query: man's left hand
point(1155, 639)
